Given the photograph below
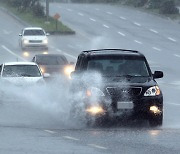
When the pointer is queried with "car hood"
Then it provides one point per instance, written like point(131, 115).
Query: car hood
point(52, 68)
point(129, 81)
point(34, 37)
point(20, 81)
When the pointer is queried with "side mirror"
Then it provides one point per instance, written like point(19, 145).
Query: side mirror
point(20, 34)
point(158, 74)
point(46, 75)
point(47, 34)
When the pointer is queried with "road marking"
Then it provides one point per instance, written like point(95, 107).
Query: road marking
point(69, 10)
point(172, 39)
point(137, 24)
point(92, 19)
point(97, 146)
point(6, 32)
point(97, 9)
point(177, 55)
point(11, 52)
point(155, 48)
point(154, 31)
point(110, 13)
point(174, 104)
point(50, 131)
point(138, 42)
point(106, 26)
point(80, 14)
point(63, 52)
point(121, 33)
point(71, 138)
point(123, 18)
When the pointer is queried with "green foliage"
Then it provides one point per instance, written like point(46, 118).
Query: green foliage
point(154, 4)
point(168, 7)
point(136, 3)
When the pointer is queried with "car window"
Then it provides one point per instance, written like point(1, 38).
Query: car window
point(21, 71)
point(51, 60)
point(118, 67)
point(33, 32)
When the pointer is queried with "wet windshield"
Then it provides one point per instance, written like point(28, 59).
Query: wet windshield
point(51, 60)
point(119, 67)
point(21, 71)
point(33, 32)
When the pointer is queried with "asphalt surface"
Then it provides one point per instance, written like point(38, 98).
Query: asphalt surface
point(40, 124)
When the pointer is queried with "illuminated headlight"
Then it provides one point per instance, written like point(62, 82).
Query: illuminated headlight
point(25, 41)
point(93, 91)
point(155, 109)
point(42, 69)
point(94, 110)
point(68, 70)
point(26, 54)
point(153, 91)
point(45, 41)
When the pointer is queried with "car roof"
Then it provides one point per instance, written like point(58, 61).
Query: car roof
point(20, 63)
point(33, 28)
point(112, 52)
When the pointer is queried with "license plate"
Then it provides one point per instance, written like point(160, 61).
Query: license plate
point(125, 105)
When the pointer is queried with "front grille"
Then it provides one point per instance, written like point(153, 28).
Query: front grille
point(124, 92)
point(35, 41)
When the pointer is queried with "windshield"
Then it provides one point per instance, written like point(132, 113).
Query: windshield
point(21, 71)
point(119, 67)
point(51, 60)
point(33, 32)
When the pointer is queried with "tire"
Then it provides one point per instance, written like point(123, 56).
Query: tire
point(156, 121)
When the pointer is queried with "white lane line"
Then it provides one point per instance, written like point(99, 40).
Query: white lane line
point(137, 24)
point(80, 14)
point(97, 146)
point(174, 104)
point(138, 42)
point(110, 13)
point(92, 19)
point(6, 32)
point(155, 48)
point(105, 26)
point(11, 52)
point(154, 31)
point(69, 10)
point(50, 131)
point(172, 39)
point(176, 55)
point(58, 50)
point(123, 18)
point(71, 138)
point(97, 9)
point(121, 33)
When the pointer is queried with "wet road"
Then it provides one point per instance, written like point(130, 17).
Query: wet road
point(40, 124)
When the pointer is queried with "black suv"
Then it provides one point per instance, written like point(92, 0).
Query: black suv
point(117, 83)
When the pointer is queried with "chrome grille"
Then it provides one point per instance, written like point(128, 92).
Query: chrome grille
point(35, 41)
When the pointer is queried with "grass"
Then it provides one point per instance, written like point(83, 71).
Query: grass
point(40, 21)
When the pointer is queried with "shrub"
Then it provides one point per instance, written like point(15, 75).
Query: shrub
point(168, 7)
point(38, 10)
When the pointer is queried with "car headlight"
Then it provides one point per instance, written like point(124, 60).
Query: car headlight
point(68, 70)
point(153, 91)
point(25, 41)
point(94, 110)
point(26, 54)
point(45, 41)
point(93, 91)
point(43, 70)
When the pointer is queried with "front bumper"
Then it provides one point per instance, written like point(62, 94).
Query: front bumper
point(31, 45)
point(141, 106)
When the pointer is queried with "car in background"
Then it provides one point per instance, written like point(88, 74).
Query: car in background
point(33, 37)
point(124, 87)
point(54, 64)
point(21, 74)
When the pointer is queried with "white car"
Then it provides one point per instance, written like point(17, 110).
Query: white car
point(21, 73)
point(33, 37)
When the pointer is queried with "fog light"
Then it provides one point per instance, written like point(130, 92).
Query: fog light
point(26, 54)
point(95, 110)
point(155, 109)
